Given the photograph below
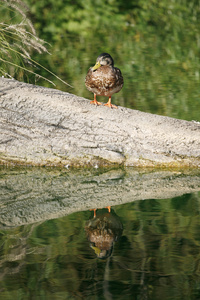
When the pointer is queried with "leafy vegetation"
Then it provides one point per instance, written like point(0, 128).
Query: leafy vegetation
point(154, 43)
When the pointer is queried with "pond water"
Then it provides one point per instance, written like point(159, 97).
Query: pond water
point(157, 255)
point(141, 249)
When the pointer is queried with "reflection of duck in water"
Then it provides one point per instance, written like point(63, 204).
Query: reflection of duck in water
point(102, 231)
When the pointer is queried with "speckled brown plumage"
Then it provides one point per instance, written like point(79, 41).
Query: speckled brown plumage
point(104, 79)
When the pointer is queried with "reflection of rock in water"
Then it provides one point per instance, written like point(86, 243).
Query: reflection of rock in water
point(102, 231)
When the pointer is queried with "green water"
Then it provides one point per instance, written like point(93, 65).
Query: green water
point(157, 255)
point(150, 240)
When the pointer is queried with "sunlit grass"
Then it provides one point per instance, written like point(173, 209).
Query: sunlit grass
point(18, 40)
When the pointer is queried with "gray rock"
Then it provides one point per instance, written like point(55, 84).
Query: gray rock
point(42, 126)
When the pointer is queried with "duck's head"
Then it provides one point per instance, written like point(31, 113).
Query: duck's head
point(103, 59)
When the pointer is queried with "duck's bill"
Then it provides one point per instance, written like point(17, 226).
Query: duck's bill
point(96, 66)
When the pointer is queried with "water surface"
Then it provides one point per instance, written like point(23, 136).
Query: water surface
point(154, 254)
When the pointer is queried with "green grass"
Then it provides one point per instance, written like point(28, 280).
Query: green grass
point(18, 41)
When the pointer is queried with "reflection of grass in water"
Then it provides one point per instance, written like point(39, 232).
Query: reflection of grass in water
point(18, 39)
point(157, 253)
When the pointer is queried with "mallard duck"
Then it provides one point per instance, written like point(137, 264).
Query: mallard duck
point(104, 79)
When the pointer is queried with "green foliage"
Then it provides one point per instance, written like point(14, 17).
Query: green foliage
point(155, 44)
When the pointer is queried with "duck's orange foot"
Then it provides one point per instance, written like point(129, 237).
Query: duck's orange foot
point(110, 105)
point(95, 102)
point(95, 214)
point(109, 208)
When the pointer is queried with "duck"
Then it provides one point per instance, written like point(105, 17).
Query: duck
point(103, 79)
